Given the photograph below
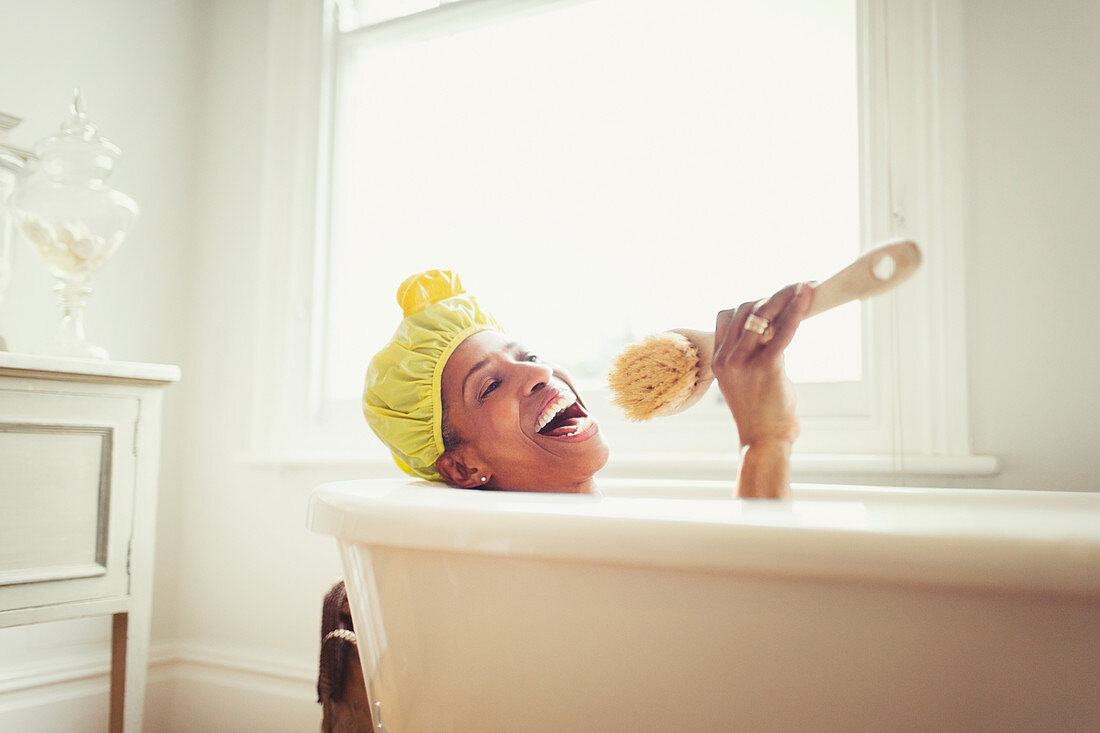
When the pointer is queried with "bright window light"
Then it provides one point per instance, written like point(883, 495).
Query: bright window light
point(599, 171)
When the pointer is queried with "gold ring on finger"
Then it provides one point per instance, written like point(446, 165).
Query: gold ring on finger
point(757, 324)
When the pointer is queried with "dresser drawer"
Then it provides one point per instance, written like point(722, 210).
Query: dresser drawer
point(67, 479)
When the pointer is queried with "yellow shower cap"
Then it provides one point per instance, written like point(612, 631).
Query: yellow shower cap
point(402, 399)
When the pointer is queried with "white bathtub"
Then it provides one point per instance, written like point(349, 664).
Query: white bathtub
point(847, 609)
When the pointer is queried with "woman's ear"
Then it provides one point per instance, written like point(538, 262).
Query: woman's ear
point(454, 467)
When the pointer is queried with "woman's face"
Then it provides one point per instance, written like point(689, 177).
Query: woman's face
point(520, 422)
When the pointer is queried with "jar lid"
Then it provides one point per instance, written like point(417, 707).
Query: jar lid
point(78, 148)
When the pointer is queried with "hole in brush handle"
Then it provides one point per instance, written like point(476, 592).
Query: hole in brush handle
point(885, 267)
point(874, 272)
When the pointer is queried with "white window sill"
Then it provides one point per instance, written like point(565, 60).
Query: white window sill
point(673, 465)
point(712, 465)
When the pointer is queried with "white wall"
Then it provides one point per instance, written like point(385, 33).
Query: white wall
point(238, 630)
point(1033, 239)
point(254, 577)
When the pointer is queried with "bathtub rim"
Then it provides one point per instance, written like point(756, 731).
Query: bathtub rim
point(1026, 541)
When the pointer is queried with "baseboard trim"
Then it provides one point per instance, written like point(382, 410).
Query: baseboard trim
point(220, 665)
point(55, 672)
point(205, 658)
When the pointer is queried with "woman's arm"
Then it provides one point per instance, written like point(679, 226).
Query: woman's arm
point(750, 373)
point(765, 471)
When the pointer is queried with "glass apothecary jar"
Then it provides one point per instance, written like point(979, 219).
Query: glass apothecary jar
point(73, 219)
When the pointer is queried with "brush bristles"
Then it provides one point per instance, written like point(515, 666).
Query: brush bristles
point(654, 375)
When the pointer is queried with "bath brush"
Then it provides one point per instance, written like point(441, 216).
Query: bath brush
point(668, 372)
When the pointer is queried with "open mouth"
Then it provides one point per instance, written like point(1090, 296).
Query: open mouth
point(564, 417)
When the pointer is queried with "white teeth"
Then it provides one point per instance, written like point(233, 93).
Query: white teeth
point(562, 401)
point(583, 424)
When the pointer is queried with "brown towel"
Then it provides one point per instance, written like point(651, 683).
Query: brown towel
point(340, 686)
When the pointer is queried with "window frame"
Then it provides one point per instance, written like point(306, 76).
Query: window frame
point(911, 144)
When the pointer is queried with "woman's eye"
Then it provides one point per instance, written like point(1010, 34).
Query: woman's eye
point(492, 385)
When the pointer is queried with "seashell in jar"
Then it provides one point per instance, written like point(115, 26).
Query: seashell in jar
point(38, 232)
point(69, 231)
point(86, 247)
point(59, 256)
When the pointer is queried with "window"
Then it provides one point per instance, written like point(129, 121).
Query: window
point(601, 170)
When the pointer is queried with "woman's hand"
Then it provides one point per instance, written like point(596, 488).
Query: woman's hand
point(749, 369)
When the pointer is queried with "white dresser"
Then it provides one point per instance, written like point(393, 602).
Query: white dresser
point(79, 453)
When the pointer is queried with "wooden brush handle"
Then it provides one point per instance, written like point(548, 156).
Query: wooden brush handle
point(874, 272)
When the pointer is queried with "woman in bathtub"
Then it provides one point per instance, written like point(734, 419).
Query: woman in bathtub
point(455, 400)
